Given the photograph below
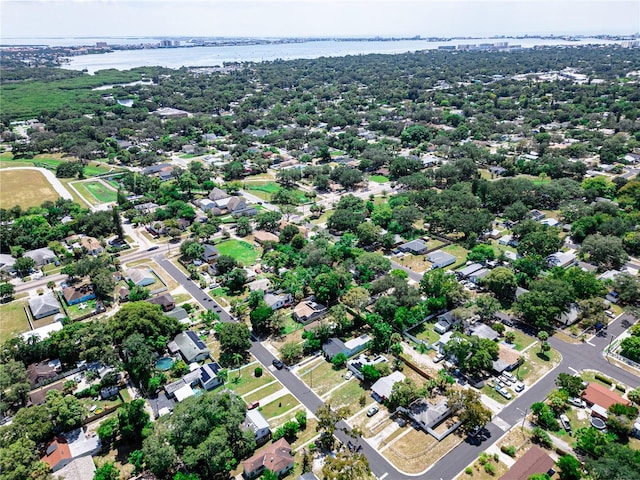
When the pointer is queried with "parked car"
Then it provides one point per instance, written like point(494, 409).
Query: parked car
point(566, 424)
point(519, 387)
point(576, 402)
point(504, 392)
point(278, 364)
point(438, 358)
point(151, 249)
point(372, 411)
point(348, 375)
point(253, 405)
point(609, 313)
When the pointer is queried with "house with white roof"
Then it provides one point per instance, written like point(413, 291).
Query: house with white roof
point(381, 390)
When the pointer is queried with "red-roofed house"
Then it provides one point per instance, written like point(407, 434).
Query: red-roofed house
point(596, 394)
point(57, 454)
point(276, 457)
point(535, 460)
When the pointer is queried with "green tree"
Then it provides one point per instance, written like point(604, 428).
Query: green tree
point(467, 406)
point(339, 360)
point(6, 291)
point(327, 420)
point(234, 338)
point(132, 421)
point(66, 411)
point(291, 352)
point(570, 468)
point(502, 282)
point(605, 250)
point(571, 384)
point(346, 466)
point(108, 431)
point(24, 265)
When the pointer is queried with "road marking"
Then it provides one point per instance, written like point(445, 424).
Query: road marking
point(501, 424)
point(384, 475)
point(589, 343)
point(573, 369)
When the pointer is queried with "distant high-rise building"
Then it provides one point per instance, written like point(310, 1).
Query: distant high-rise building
point(101, 45)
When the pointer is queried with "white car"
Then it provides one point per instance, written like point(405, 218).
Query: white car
point(504, 392)
point(348, 375)
point(438, 358)
point(566, 424)
point(519, 387)
point(576, 402)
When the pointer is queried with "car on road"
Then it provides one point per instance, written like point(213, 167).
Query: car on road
point(438, 358)
point(151, 249)
point(504, 392)
point(372, 411)
point(348, 375)
point(566, 424)
point(278, 364)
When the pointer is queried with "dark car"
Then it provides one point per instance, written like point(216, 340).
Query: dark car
point(278, 364)
point(253, 405)
point(151, 249)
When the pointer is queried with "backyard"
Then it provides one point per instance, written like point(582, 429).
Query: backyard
point(425, 332)
point(80, 309)
point(13, 320)
point(378, 178)
point(241, 251)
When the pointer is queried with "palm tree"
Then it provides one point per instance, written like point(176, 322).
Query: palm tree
point(237, 359)
point(223, 375)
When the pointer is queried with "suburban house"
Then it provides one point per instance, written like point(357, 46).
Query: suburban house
point(276, 458)
point(42, 256)
point(190, 347)
point(428, 415)
point(210, 254)
point(206, 376)
point(468, 270)
point(534, 461)
point(508, 359)
point(497, 171)
point(308, 476)
point(382, 388)
point(42, 333)
point(179, 314)
point(334, 346)
point(599, 398)
point(123, 294)
point(205, 204)
point(82, 242)
point(355, 365)
point(276, 301)
point(44, 306)
point(440, 259)
point(307, 311)
point(477, 276)
point(39, 372)
point(537, 215)
point(217, 194)
point(445, 322)
point(561, 259)
point(209, 375)
point(81, 468)
point(415, 247)
point(484, 331)
point(78, 293)
point(7, 263)
point(262, 284)
point(493, 234)
point(262, 237)
point(165, 300)
point(255, 421)
point(140, 277)
point(64, 448)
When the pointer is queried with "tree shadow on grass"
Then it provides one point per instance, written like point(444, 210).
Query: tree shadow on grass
point(543, 356)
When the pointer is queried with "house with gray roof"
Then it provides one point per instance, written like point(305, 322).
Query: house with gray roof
point(7, 262)
point(255, 421)
point(190, 347)
point(428, 415)
point(381, 390)
point(141, 277)
point(276, 301)
point(44, 306)
point(210, 254)
point(415, 247)
point(468, 270)
point(440, 259)
point(334, 346)
point(42, 256)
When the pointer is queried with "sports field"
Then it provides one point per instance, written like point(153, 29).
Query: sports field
point(27, 188)
point(101, 192)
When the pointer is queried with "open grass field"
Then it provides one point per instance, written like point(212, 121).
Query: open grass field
point(537, 364)
point(378, 178)
point(266, 190)
point(27, 188)
point(51, 162)
point(100, 192)
point(243, 252)
point(321, 376)
point(347, 395)
point(279, 406)
point(459, 252)
point(13, 320)
point(247, 381)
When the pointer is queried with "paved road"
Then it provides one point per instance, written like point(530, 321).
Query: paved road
point(578, 357)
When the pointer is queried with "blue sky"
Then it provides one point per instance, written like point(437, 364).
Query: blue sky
point(291, 18)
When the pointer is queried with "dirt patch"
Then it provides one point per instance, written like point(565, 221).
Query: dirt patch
point(12, 186)
point(416, 451)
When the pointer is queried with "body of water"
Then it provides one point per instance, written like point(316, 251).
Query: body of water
point(217, 56)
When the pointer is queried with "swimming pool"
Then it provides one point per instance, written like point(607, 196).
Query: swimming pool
point(165, 363)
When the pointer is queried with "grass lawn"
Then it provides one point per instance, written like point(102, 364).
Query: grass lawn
point(247, 381)
point(124, 393)
point(489, 470)
point(75, 311)
point(181, 297)
point(425, 332)
point(243, 252)
point(417, 263)
point(378, 178)
point(522, 340)
point(100, 192)
point(279, 406)
point(13, 191)
point(347, 395)
point(459, 252)
point(76, 198)
point(290, 325)
point(320, 376)
point(263, 392)
point(416, 451)
point(85, 193)
point(537, 364)
point(266, 190)
point(13, 320)
point(490, 392)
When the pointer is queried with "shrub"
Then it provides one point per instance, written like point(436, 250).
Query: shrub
point(541, 437)
point(490, 468)
point(483, 458)
point(621, 388)
point(509, 450)
point(257, 371)
point(468, 471)
point(604, 379)
point(496, 457)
